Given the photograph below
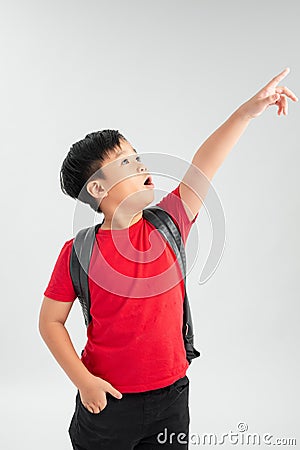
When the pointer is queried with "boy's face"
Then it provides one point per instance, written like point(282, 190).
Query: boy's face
point(123, 186)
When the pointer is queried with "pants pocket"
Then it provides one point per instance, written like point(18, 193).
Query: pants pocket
point(86, 411)
point(182, 384)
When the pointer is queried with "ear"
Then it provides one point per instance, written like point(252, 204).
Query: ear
point(96, 190)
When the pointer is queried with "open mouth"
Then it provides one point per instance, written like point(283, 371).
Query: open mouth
point(148, 181)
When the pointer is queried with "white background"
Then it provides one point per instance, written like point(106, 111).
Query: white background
point(166, 74)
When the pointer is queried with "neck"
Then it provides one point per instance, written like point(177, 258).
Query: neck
point(122, 222)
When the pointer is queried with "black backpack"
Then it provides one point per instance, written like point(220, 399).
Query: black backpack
point(83, 246)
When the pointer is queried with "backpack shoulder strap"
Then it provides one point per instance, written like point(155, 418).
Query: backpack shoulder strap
point(163, 221)
point(79, 264)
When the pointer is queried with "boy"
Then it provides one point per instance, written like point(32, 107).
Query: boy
point(131, 383)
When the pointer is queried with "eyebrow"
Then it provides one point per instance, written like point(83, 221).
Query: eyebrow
point(121, 152)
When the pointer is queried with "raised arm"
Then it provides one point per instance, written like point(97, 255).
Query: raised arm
point(213, 151)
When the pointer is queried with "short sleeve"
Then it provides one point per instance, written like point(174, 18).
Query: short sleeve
point(60, 286)
point(173, 205)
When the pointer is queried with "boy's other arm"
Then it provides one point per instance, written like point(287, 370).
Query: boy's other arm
point(213, 151)
point(53, 315)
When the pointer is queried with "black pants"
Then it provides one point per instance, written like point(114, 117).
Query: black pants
point(141, 421)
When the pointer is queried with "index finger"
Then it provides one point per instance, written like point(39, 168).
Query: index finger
point(278, 78)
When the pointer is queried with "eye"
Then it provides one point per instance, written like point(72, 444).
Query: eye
point(138, 158)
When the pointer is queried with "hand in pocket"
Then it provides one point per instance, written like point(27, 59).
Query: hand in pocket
point(93, 394)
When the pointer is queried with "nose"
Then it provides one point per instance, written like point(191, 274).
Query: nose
point(142, 168)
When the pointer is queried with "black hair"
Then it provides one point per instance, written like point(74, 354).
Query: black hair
point(84, 160)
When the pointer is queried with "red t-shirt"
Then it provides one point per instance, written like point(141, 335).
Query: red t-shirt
point(134, 340)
